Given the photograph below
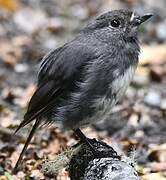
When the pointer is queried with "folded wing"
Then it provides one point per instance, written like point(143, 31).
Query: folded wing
point(58, 73)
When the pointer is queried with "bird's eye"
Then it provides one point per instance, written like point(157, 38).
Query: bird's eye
point(115, 23)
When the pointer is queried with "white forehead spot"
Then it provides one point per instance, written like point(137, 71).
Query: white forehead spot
point(132, 17)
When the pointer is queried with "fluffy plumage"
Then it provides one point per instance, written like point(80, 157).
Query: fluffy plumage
point(72, 77)
point(79, 82)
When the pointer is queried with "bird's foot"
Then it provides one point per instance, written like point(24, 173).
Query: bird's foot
point(101, 149)
point(98, 149)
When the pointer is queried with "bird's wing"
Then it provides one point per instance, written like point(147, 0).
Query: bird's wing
point(59, 70)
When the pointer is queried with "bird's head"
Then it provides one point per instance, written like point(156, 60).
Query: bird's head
point(116, 25)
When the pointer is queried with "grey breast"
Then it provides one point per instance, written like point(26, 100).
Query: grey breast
point(104, 104)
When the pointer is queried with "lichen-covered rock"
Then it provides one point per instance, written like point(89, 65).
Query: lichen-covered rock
point(107, 165)
point(109, 169)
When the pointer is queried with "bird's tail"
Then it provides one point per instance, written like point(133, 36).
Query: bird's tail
point(35, 126)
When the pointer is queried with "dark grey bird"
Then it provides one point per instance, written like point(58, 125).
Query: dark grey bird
point(81, 81)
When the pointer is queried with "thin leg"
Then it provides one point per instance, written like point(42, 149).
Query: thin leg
point(83, 138)
point(108, 152)
point(26, 145)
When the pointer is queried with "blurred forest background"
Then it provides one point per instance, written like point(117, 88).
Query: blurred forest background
point(137, 125)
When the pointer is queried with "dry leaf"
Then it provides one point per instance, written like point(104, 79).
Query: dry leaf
point(9, 53)
point(153, 54)
point(153, 176)
point(3, 178)
point(7, 118)
point(156, 73)
point(158, 153)
point(25, 96)
point(37, 174)
point(158, 167)
point(10, 5)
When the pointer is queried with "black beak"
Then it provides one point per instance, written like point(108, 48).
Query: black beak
point(145, 17)
point(137, 20)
